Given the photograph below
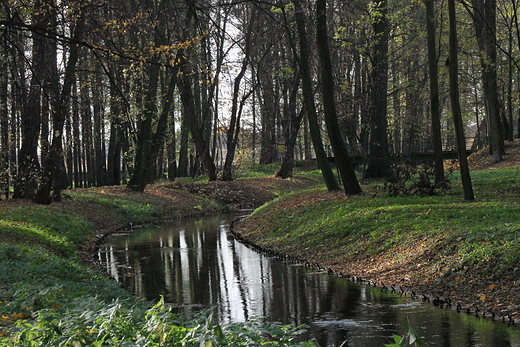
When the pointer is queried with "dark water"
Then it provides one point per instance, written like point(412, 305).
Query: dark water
point(195, 263)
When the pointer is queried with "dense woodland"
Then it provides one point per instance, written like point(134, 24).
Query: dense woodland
point(96, 93)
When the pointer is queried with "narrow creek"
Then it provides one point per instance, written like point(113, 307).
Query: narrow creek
point(195, 263)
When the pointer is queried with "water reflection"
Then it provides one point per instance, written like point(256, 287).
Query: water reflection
point(194, 263)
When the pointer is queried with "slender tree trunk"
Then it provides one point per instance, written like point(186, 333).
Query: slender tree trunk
point(291, 126)
point(483, 14)
point(76, 141)
point(172, 149)
point(4, 125)
point(86, 128)
point(116, 133)
point(182, 170)
point(234, 123)
point(144, 138)
point(268, 117)
point(157, 142)
point(379, 163)
point(100, 161)
point(434, 93)
point(517, 31)
point(348, 175)
point(26, 181)
point(455, 105)
point(510, 133)
point(188, 101)
point(308, 98)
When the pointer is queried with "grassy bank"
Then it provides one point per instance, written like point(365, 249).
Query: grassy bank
point(439, 245)
point(50, 296)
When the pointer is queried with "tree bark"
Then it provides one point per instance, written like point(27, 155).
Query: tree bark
point(116, 133)
point(291, 123)
point(308, 98)
point(378, 162)
point(4, 125)
point(484, 13)
point(434, 93)
point(26, 182)
point(97, 98)
point(50, 186)
point(188, 101)
point(348, 175)
point(455, 105)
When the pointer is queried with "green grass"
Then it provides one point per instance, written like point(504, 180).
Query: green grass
point(484, 232)
point(54, 230)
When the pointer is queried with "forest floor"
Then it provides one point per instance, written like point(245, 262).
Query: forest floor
point(482, 160)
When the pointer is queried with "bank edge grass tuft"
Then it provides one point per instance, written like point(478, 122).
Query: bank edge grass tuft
point(483, 234)
point(49, 298)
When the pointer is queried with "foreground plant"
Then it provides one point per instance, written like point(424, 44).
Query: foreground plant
point(409, 339)
point(117, 324)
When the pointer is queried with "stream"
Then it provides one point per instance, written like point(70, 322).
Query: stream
point(195, 263)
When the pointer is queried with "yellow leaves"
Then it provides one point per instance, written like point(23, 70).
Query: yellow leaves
point(20, 316)
point(15, 316)
point(482, 297)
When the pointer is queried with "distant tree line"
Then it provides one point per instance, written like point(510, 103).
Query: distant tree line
point(96, 93)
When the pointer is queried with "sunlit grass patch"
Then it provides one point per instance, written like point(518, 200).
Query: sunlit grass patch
point(484, 232)
point(54, 229)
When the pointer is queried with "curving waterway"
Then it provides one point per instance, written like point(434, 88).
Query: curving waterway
point(195, 263)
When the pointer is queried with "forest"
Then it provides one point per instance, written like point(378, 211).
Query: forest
point(100, 93)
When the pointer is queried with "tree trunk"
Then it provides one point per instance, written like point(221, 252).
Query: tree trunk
point(348, 175)
point(291, 123)
point(378, 162)
point(4, 125)
point(116, 132)
point(188, 101)
point(268, 117)
point(138, 180)
point(308, 98)
point(455, 105)
point(172, 150)
point(484, 12)
point(86, 128)
point(26, 182)
point(434, 93)
point(100, 161)
point(234, 123)
point(51, 186)
point(182, 170)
